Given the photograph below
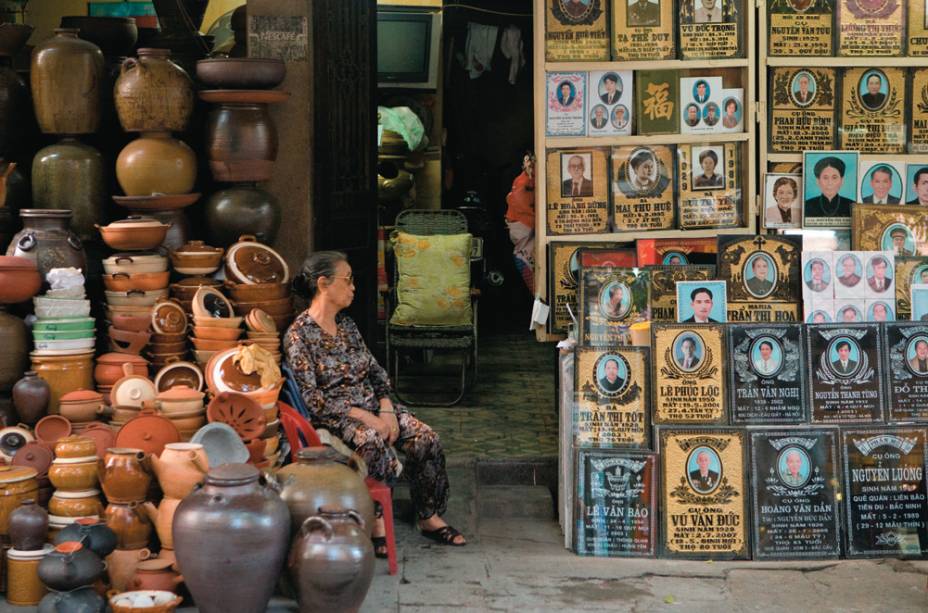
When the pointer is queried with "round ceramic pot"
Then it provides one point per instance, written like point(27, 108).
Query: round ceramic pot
point(76, 504)
point(69, 176)
point(180, 468)
point(73, 477)
point(155, 574)
point(28, 526)
point(130, 523)
point(17, 483)
point(121, 564)
point(155, 163)
point(64, 373)
point(81, 600)
point(331, 561)
point(153, 93)
point(14, 359)
point(239, 210)
point(70, 566)
point(180, 231)
point(241, 142)
point(110, 367)
point(24, 588)
point(124, 477)
point(19, 278)
point(46, 239)
point(75, 446)
point(163, 518)
point(92, 533)
point(231, 514)
point(30, 397)
point(65, 75)
point(13, 100)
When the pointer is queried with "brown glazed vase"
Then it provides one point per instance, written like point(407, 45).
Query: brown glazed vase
point(321, 478)
point(64, 373)
point(239, 210)
point(155, 163)
point(30, 397)
point(130, 523)
point(153, 93)
point(331, 561)
point(69, 176)
point(28, 526)
point(14, 359)
point(123, 475)
point(231, 538)
point(47, 239)
point(66, 77)
point(241, 142)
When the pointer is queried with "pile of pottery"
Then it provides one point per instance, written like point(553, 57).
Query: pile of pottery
point(257, 277)
point(28, 528)
point(195, 260)
point(262, 331)
point(215, 326)
point(111, 367)
point(19, 281)
point(169, 341)
point(73, 473)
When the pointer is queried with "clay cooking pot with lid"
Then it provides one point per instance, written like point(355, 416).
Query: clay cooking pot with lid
point(249, 262)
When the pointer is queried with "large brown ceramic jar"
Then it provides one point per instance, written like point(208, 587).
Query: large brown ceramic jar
point(69, 175)
point(323, 477)
point(13, 99)
point(241, 142)
point(153, 93)
point(155, 163)
point(331, 562)
point(231, 538)
point(64, 373)
point(14, 358)
point(123, 476)
point(28, 526)
point(30, 397)
point(66, 75)
point(239, 210)
point(47, 239)
point(74, 476)
point(130, 523)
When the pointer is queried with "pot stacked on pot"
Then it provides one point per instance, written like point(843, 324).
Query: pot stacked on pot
point(28, 530)
point(74, 474)
point(257, 277)
point(195, 261)
point(169, 342)
point(215, 326)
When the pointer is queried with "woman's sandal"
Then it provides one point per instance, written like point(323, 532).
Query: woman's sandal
point(380, 547)
point(444, 535)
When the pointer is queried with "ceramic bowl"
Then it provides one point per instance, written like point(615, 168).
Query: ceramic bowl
point(221, 443)
point(13, 37)
point(70, 345)
point(19, 279)
point(179, 373)
point(186, 289)
point(165, 348)
point(241, 73)
point(169, 338)
point(64, 324)
point(273, 308)
point(124, 341)
point(209, 302)
point(195, 258)
point(134, 263)
point(71, 335)
point(203, 356)
point(168, 317)
point(46, 308)
point(211, 345)
point(219, 322)
point(76, 476)
point(144, 281)
point(133, 323)
point(136, 298)
point(71, 293)
point(243, 292)
point(134, 234)
point(217, 334)
point(187, 423)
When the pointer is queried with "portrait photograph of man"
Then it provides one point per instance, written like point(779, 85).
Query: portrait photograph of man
point(708, 11)
point(793, 467)
point(691, 115)
point(898, 239)
point(705, 174)
point(576, 9)
point(818, 316)
point(873, 89)
point(710, 114)
point(565, 94)
point(918, 355)
point(688, 353)
point(610, 88)
point(643, 13)
point(880, 184)
point(619, 117)
point(843, 355)
point(701, 91)
point(701, 302)
point(918, 293)
point(611, 375)
point(576, 176)
point(765, 360)
point(817, 275)
point(803, 88)
point(599, 118)
point(704, 469)
point(849, 314)
point(917, 184)
point(879, 311)
point(849, 271)
point(879, 279)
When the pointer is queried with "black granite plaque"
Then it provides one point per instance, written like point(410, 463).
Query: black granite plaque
point(611, 299)
point(616, 503)
point(907, 370)
point(845, 373)
point(886, 492)
point(767, 374)
point(795, 493)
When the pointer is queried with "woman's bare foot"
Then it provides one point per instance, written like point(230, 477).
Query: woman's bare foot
point(438, 530)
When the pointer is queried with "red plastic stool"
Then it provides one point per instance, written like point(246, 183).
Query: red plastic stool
point(381, 493)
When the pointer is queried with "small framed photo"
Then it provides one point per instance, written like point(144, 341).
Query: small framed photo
point(829, 187)
point(576, 175)
point(880, 275)
point(822, 312)
point(916, 184)
point(882, 182)
point(880, 310)
point(850, 311)
point(709, 167)
point(782, 201)
point(732, 110)
point(702, 302)
point(919, 297)
point(849, 275)
point(817, 276)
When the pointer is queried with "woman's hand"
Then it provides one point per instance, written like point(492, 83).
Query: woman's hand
point(390, 420)
point(370, 420)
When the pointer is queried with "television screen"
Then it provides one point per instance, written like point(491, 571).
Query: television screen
point(403, 47)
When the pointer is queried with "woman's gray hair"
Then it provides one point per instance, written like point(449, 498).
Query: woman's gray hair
point(318, 264)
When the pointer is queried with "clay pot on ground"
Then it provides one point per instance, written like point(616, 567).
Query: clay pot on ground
point(81, 600)
point(153, 93)
point(241, 142)
point(214, 527)
point(14, 359)
point(155, 163)
point(130, 523)
point(19, 279)
point(92, 533)
point(64, 373)
point(70, 566)
point(155, 574)
point(47, 239)
point(180, 468)
point(30, 397)
point(239, 210)
point(121, 564)
point(331, 562)
point(69, 175)
point(65, 74)
point(123, 475)
point(28, 526)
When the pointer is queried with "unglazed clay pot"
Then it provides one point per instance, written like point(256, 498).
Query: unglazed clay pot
point(123, 476)
point(332, 561)
point(70, 566)
point(130, 523)
point(155, 574)
point(231, 539)
point(92, 533)
point(163, 518)
point(69, 176)
point(155, 163)
point(14, 359)
point(47, 239)
point(322, 477)
point(30, 397)
point(241, 142)
point(180, 468)
point(239, 210)
point(28, 526)
point(153, 93)
point(66, 75)
point(121, 566)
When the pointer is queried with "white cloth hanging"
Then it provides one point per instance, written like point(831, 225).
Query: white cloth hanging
point(510, 45)
point(478, 48)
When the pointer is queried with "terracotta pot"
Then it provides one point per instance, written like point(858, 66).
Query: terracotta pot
point(130, 523)
point(323, 477)
point(180, 231)
point(241, 142)
point(69, 175)
point(13, 100)
point(17, 483)
point(241, 73)
point(82, 600)
point(80, 411)
point(155, 574)
point(92, 533)
point(135, 233)
point(153, 93)
point(121, 566)
point(111, 367)
point(64, 373)
point(115, 36)
point(30, 397)
point(76, 446)
point(331, 562)
point(232, 513)
point(28, 526)
point(125, 282)
point(163, 517)
point(79, 476)
point(180, 468)
point(22, 576)
point(46, 239)
point(144, 281)
point(156, 163)
point(15, 342)
point(76, 504)
point(70, 566)
point(239, 210)
point(124, 341)
point(66, 74)
point(253, 292)
point(124, 477)
point(20, 279)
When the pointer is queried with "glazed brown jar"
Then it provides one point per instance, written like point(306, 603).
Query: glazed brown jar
point(153, 93)
point(123, 475)
point(73, 476)
point(76, 504)
point(66, 74)
point(241, 142)
point(46, 238)
point(155, 163)
point(130, 523)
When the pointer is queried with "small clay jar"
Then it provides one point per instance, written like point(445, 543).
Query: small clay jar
point(92, 533)
point(76, 504)
point(28, 526)
point(70, 566)
point(30, 397)
point(130, 523)
point(77, 476)
point(123, 475)
point(121, 564)
point(155, 574)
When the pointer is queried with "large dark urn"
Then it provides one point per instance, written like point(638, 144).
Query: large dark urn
point(239, 210)
point(46, 238)
point(30, 398)
point(69, 175)
point(28, 526)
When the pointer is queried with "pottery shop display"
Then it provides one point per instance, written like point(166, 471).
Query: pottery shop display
point(133, 391)
point(30, 398)
point(111, 367)
point(69, 175)
point(124, 476)
point(17, 483)
point(65, 75)
point(28, 526)
point(153, 93)
point(186, 374)
point(24, 588)
point(81, 600)
point(214, 527)
point(156, 163)
point(241, 143)
point(331, 562)
point(134, 233)
point(19, 279)
point(222, 444)
point(14, 359)
point(241, 209)
point(180, 468)
point(47, 239)
point(63, 373)
point(130, 523)
point(92, 533)
point(120, 565)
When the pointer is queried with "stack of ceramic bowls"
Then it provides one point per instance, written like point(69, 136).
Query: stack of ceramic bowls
point(63, 323)
point(134, 303)
point(74, 475)
point(196, 261)
point(257, 277)
point(224, 374)
point(128, 395)
point(262, 330)
point(81, 408)
point(215, 327)
point(185, 408)
point(169, 341)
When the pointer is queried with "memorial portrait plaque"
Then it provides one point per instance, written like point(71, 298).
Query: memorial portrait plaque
point(918, 126)
point(688, 379)
point(657, 110)
point(711, 29)
point(643, 30)
point(800, 27)
point(616, 503)
point(767, 375)
point(702, 302)
point(611, 102)
point(566, 103)
point(782, 203)
point(576, 30)
point(663, 297)
point(802, 112)
point(845, 373)
point(563, 276)
point(794, 481)
point(916, 184)
point(578, 191)
point(829, 186)
point(918, 29)
point(710, 186)
point(676, 251)
point(907, 371)
point(704, 494)
point(700, 104)
point(881, 182)
point(611, 299)
point(642, 188)
point(901, 229)
point(885, 490)
point(873, 109)
point(612, 397)
point(763, 274)
point(870, 27)
point(909, 270)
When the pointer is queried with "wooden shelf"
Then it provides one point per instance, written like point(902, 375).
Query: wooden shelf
point(565, 142)
point(846, 62)
point(648, 65)
point(619, 237)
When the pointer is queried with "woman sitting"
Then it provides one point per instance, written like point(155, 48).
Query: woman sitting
point(348, 393)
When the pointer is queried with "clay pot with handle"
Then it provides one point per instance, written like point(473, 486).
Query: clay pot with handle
point(131, 524)
point(123, 475)
point(155, 574)
point(70, 566)
point(153, 93)
point(180, 468)
point(121, 565)
point(162, 517)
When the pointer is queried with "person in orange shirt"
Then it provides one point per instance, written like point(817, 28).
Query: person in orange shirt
point(520, 219)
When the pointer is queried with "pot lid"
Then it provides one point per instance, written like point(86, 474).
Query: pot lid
point(104, 438)
point(52, 427)
point(248, 261)
point(232, 474)
point(136, 258)
point(243, 414)
point(36, 456)
point(211, 303)
point(148, 432)
point(14, 474)
point(198, 247)
point(137, 221)
point(81, 396)
point(121, 358)
point(179, 373)
point(132, 391)
point(168, 317)
point(181, 393)
point(259, 321)
point(14, 262)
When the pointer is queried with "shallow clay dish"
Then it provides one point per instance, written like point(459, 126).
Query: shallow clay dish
point(133, 323)
point(243, 414)
point(217, 334)
point(218, 322)
point(253, 292)
point(241, 73)
point(51, 428)
point(157, 202)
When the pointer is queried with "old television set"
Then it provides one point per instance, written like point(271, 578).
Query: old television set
point(408, 44)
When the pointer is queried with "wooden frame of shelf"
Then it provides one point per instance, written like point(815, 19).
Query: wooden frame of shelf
point(543, 142)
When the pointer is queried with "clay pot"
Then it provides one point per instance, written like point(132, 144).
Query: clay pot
point(323, 477)
point(20, 279)
point(115, 36)
point(69, 175)
point(14, 359)
point(13, 100)
point(155, 163)
point(121, 566)
point(155, 574)
point(123, 476)
point(22, 576)
point(66, 74)
point(163, 517)
point(64, 373)
point(17, 483)
point(241, 142)
point(77, 476)
point(231, 514)
point(241, 73)
point(239, 210)
point(111, 367)
point(135, 233)
point(77, 446)
point(153, 94)
point(46, 239)
point(82, 600)
point(28, 526)
point(75, 504)
point(82, 408)
point(180, 468)
point(331, 562)
point(92, 533)
point(30, 397)
point(130, 523)
point(70, 566)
